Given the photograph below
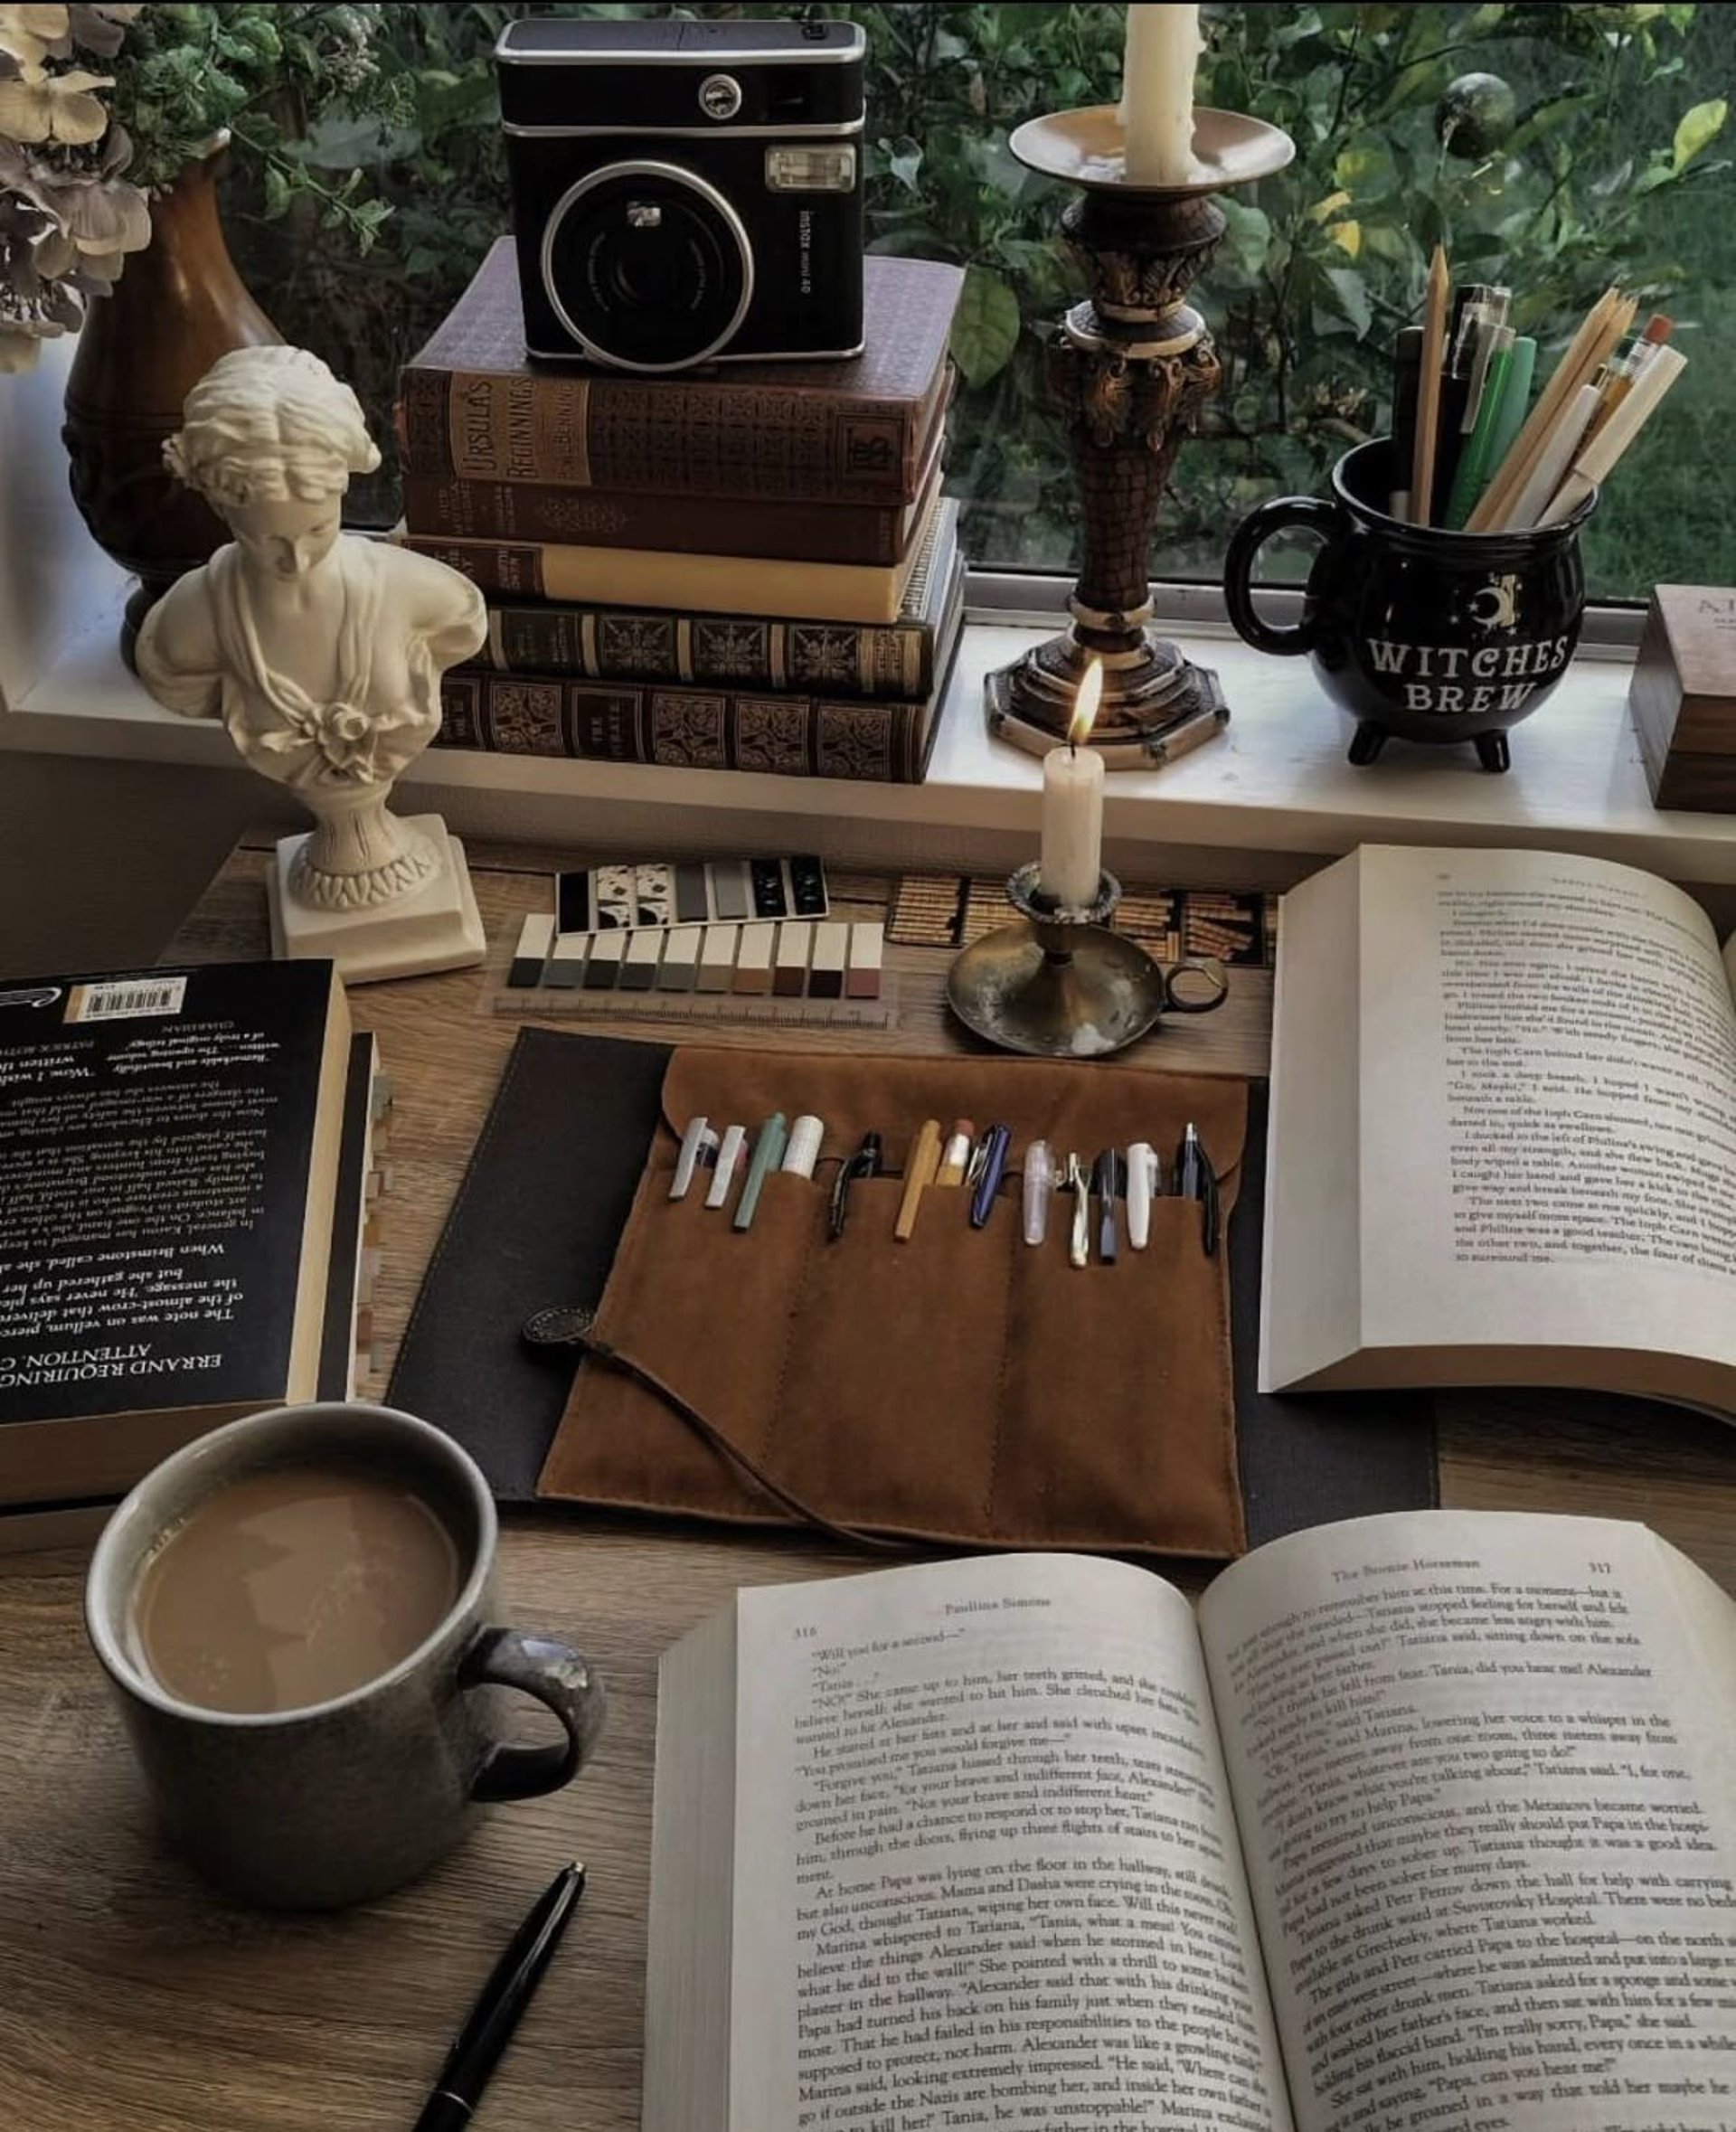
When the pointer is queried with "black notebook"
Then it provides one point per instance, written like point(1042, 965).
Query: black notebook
point(544, 1200)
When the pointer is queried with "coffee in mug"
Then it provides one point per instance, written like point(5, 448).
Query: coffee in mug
point(297, 1614)
point(292, 1586)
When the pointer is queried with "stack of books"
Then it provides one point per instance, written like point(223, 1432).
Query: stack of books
point(750, 568)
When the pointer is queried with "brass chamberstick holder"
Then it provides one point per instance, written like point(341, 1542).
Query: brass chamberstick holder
point(1130, 369)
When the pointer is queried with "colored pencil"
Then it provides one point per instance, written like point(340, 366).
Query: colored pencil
point(1437, 304)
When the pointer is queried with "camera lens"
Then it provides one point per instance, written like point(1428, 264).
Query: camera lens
point(648, 267)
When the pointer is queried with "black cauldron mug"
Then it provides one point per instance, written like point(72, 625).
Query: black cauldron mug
point(1418, 632)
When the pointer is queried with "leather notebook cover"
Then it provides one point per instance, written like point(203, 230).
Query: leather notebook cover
point(544, 1203)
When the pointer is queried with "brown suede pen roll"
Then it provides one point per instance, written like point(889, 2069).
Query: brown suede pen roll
point(961, 1387)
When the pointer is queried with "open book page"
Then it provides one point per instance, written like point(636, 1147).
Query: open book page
point(1544, 1148)
point(1486, 1776)
point(985, 1870)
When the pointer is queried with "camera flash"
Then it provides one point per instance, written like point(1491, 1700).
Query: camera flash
point(811, 170)
point(644, 215)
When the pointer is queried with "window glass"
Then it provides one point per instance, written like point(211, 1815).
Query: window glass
point(1552, 148)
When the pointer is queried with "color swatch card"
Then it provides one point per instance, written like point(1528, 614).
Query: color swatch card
point(622, 898)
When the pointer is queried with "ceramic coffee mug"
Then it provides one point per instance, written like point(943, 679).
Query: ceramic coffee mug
point(1429, 635)
point(310, 1809)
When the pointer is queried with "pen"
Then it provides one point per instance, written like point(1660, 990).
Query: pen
point(1196, 1179)
point(806, 1136)
point(1142, 1162)
point(955, 1160)
point(1105, 1178)
point(866, 1162)
point(728, 1155)
point(995, 1144)
point(1079, 1244)
point(695, 1142)
point(1039, 1182)
point(919, 1168)
point(768, 1152)
point(503, 1998)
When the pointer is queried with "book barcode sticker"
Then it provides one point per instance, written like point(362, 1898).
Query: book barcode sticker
point(120, 997)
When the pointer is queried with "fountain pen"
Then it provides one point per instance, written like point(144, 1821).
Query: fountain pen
point(495, 2014)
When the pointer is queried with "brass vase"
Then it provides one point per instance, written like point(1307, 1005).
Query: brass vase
point(178, 306)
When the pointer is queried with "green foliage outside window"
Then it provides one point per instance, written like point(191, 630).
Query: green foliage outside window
point(1589, 151)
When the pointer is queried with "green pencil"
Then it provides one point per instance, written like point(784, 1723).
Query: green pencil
point(1509, 420)
point(1472, 473)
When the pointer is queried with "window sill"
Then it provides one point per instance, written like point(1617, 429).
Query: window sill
point(1264, 805)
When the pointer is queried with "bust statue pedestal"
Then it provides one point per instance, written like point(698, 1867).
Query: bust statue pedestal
point(433, 927)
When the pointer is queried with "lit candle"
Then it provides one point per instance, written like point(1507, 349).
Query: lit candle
point(1073, 807)
point(1163, 49)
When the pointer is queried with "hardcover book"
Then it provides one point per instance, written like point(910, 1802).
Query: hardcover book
point(1503, 1131)
point(716, 584)
point(782, 732)
point(169, 1165)
point(474, 409)
point(775, 529)
point(1422, 1821)
point(741, 651)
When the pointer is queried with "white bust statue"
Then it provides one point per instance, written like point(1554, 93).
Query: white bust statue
point(322, 652)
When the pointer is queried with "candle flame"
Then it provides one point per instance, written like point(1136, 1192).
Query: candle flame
point(1090, 694)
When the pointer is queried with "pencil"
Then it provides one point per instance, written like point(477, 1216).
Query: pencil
point(1554, 461)
point(1435, 306)
point(1599, 457)
point(920, 1170)
point(1604, 324)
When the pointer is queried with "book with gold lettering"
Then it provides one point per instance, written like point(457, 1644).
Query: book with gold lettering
point(856, 431)
point(171, 1144)
point(1419, 1823)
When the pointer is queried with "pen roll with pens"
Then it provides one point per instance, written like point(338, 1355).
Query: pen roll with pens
point(925, 1372)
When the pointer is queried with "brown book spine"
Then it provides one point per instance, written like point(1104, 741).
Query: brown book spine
point(710, 651)
point(780, 734)
point(671, 435)
point(687, 526)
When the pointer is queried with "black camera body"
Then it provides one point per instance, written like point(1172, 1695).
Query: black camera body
point(685, 193)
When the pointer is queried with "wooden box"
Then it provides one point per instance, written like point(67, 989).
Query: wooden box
point(1682, 697)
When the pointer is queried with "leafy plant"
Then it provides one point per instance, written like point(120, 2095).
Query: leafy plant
point(1605, 167)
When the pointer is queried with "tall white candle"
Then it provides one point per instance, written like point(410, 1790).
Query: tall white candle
point(1072, 863)
point(1158, 66)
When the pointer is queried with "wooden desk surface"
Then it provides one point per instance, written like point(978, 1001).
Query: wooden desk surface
point(131, 1998)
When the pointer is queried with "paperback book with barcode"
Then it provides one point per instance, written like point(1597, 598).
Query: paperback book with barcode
point(170, 1149)
point(1422, 1823)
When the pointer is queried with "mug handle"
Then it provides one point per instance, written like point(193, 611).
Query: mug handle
point(1315, 516)
point(563, 1681)
point(1207, 966)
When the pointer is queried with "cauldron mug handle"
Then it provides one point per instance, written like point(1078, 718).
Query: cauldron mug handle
point(1314, 515)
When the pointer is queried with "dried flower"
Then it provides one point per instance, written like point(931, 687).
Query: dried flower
point(30, 33)
point(38, 106)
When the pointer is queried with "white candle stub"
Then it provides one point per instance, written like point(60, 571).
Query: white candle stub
point(1071, 865)
point(1162, 51)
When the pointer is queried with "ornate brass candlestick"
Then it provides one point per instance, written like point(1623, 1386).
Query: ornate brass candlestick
point(1060, 984)
point(1130, 368)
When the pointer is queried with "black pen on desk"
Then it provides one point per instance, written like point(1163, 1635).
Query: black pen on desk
point(503, 1998)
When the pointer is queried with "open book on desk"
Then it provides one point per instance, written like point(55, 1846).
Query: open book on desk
point(1428, 1825)
point(1503, 1131)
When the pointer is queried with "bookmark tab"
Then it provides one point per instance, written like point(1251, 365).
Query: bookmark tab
point(565, 968)
point(535, 938)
